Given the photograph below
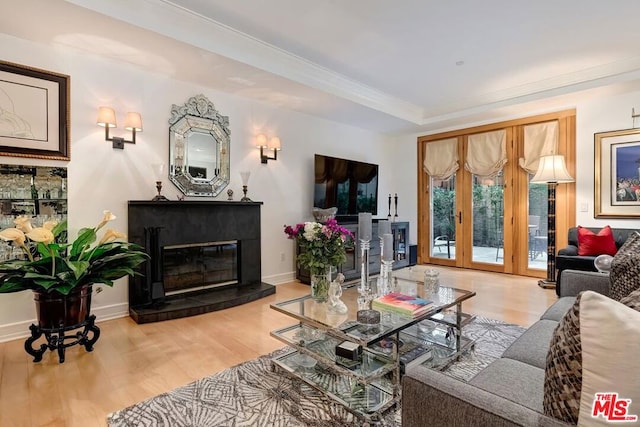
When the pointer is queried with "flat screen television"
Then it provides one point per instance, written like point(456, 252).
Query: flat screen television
point(349, 185)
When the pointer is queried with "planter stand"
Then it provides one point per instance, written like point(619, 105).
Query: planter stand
point(56, 338)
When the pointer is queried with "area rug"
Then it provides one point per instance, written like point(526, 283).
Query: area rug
point(253, 394)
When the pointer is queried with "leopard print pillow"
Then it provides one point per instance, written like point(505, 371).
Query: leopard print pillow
point(563, 373)
point(624, 277)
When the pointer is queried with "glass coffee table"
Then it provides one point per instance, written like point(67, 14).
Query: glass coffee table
point(368, 383)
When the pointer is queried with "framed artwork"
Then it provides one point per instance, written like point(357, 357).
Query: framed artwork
point(617, 174)
point(34, 112)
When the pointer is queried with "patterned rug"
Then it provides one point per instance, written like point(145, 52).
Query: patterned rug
point(253, 394)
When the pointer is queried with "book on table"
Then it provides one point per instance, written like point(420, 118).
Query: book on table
point(405, 305)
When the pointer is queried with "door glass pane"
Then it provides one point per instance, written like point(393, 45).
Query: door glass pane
point(443, 218)
point(488, 219)
point(537, 240)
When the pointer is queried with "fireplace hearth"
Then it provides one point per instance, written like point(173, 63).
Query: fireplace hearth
point(205, 256)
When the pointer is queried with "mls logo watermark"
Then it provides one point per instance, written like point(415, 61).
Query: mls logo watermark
point(612, 408)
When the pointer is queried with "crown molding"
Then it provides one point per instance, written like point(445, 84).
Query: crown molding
point(171, 20)
point(168, 19)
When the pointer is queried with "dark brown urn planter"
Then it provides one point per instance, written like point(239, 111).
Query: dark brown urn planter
point(56, 314)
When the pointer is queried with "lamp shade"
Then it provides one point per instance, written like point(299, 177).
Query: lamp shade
point(274, 143)
point(261, 141)
point(133, 121)
point(551, 169)
point(106, 117)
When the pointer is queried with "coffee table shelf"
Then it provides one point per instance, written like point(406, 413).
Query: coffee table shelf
point(370, 385)
point(366, 400)
point(372, 366)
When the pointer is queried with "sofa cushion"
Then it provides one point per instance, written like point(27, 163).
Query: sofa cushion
point(563, 372)
point(632, 300)
point(532, 346)
point(590, 243)
point(625, 268)
point(499, 378)
point(558, 309)
point(610, 334)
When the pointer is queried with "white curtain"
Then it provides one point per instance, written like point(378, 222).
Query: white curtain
point(441, 158)
point(540, 140)
point(487, 153)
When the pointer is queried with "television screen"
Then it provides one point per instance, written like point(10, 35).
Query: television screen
point(349, 185)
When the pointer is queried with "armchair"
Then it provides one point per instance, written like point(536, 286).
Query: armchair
point(568, 258)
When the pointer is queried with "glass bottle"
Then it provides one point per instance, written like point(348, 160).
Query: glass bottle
point(34, 190)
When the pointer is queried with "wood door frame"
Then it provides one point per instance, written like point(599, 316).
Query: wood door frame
point(515, 181)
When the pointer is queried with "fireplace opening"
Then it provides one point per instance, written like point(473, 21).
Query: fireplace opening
point(195, 266)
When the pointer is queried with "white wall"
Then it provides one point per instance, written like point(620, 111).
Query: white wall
point(599, 115)
point(103, 178)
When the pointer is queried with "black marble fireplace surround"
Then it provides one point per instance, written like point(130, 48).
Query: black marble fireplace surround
point(160, 224)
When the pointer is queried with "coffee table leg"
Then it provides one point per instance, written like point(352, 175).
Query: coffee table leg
point(458, 325)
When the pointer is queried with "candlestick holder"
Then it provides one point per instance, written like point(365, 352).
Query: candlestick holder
point(389, 211)
point(365, 288)
point(245, 181)
point(159, 197)
point(395, 200)
point(159, 169)
point(384, 280)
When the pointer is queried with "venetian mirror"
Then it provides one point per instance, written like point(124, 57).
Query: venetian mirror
point(198, 148)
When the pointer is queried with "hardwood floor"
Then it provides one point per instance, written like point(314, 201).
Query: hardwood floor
point(133, 362)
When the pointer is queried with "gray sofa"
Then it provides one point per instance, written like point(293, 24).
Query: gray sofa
point(508, 392)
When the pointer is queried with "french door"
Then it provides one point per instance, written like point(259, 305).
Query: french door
point(498, 222)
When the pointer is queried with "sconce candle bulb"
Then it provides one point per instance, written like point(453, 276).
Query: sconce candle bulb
point(107, 119)
point(262, 142)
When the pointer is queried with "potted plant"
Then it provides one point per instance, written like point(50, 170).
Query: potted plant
point(322, 249)
point(61, 274)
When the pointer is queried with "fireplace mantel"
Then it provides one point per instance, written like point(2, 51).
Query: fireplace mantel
point(155, 225)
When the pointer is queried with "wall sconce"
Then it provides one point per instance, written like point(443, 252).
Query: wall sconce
point(107, 119)
point(272, 144)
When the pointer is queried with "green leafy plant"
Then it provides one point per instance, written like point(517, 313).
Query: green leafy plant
point(50, 265)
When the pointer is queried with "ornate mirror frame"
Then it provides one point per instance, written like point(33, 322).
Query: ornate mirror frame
point(195, 167)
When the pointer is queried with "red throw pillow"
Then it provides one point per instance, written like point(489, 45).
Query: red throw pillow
point(602, 243)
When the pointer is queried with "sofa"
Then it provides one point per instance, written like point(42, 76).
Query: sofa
point(568, 258)
point(510, 390)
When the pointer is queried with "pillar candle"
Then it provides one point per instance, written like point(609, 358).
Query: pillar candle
point(384, 227)
point(364, 225)
point(387, 247)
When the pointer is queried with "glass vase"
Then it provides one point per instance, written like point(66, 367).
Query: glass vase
point(320, 282)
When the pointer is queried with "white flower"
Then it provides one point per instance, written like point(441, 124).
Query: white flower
point(310, 231)
point(107, 216)
point(50, 224)
point(41, 234)
point(13, 234)
point(23, 223)
point(110, 235)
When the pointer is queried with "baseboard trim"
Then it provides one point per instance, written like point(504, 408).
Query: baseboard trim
point(278, 279)
point(14, 331)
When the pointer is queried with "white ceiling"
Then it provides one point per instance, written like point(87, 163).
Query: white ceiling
point(394, 67)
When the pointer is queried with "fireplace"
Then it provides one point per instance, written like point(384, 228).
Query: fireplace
point(199, 266)
point(204, 256)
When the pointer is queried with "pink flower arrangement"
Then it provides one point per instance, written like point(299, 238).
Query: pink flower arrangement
point(322, 245)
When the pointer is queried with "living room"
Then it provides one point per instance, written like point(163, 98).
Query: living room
point(106, 70)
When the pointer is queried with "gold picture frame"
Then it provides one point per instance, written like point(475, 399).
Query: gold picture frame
point(34, 112)
point(617, 174)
